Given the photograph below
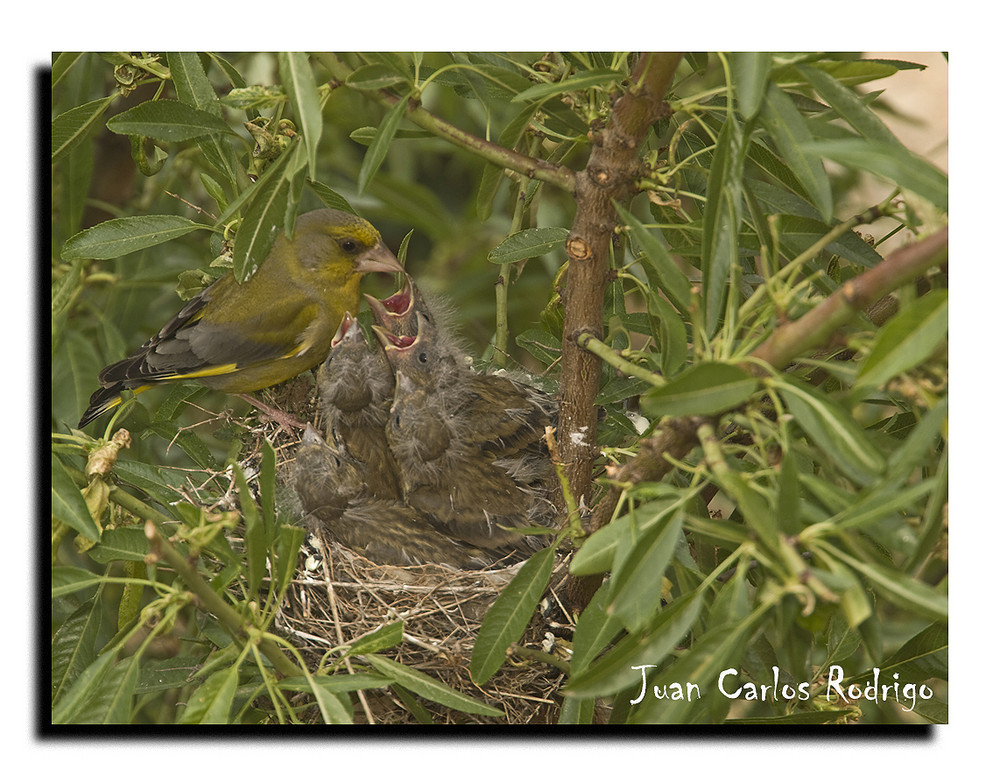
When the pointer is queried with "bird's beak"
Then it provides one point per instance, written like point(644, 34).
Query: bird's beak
point(378, 259)
point(398, 306)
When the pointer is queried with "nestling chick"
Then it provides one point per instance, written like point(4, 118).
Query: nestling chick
point(335, 501)
point(355, 386)
point(456, 443)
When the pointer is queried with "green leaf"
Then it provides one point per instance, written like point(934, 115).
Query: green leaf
point(907, 340)
point(598, 552)
point(68, 505)
point(194, 89)
point(428, 688)
point(167, 120)
point(72, 127)
point(721, 223)
point(493, 174)
point(120, 236)
point(887, 160)
point(791, 134)
point(254, 541)
point(366, 135)
point(656, 258)
point(707, 388)
point(848, 105)
point(375, 76)
point(380, 145)
point(274, 198)
point(71, 579)
point(286, 556)
point(574, 83)
point(212, 702)
point(122, 543)
point(616, 670)
point(102, 694)
point(637, 580)
point(594, 631)
point(506, 620)
point(751, 71)
point(74, 645)
point(904, 591)
point(329, 197)
point(386, 637)
point(527, 244)
point(300, 86)
point(832, 428)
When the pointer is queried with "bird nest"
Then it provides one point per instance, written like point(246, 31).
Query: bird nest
point(338, 596)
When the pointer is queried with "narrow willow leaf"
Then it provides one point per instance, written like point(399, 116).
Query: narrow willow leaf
point(266, 485)
point(848, 105)
point(672, 335)
point(721, 226)
point(167, 120)
point(339, 683)
point(506, 620)
point(571, 84)
point(494, 174)
point(887, 160)
point(380, 146)
point(212, 702)
point(120, 236)
point(701, 665)
point(329, 197)
point(253, 541)
point(657, 259)
point(300, 86)
point(617, 670)
point(123, 543)
point(707, 388)
point(926, 653)
point(528, 244)
point(74, 645)
point(907, 340)
point(72, 127)
point(594, 631)
point(904, 591)
point(637, 582)
point(286, 557)
point(428, 688)
point(71, 579)
point(68, 505)
point(272, 201)
point(386, 637)
point(790, 134)
point(833, 429)
point(374, 76)
point(751, 70)
point(75, 699)
point(335, 707)
point(598, 552)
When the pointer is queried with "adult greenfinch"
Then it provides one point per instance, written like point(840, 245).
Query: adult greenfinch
point(336, 501)
point(241, 337)
point(354, 387)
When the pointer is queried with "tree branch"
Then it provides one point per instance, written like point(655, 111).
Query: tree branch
point(611, 174)
point(557, 175)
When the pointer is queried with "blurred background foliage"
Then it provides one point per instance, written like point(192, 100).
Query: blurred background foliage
point(451, 209)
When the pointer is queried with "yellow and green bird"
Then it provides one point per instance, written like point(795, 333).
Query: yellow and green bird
point(241, 337)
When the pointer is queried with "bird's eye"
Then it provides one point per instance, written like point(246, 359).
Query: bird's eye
point(349, 245)
point(422, 357)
